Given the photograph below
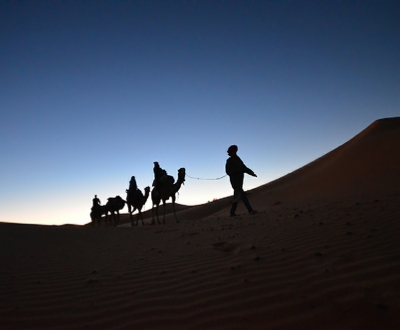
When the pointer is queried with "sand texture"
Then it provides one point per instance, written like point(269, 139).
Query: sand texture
point(322, 253)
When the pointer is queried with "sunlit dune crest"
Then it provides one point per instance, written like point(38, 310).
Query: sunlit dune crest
point(322, 253)
point(369, 162)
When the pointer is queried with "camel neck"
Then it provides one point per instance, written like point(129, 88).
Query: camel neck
point(177, 185)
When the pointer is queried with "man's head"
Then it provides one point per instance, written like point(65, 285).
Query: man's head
point(232, 150)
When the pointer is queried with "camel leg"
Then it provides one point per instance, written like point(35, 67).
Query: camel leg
point(136, 217)
point(108, 218)
point(164, 211)
point(173, 208)
point(133, 220)
point(156, 211)
point(112, 219)
point(141, 216)
point(156, 203)
point(116, 222)
point(130, 213)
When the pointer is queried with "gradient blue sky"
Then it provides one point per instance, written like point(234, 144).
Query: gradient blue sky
point(92, 92)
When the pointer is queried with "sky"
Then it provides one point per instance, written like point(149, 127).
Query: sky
point(93, 92)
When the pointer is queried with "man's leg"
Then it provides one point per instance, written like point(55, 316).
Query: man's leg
point(233, 208)
point(246, 203)
point(237, 196)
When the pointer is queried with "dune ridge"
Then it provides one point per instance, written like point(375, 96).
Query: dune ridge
point(322, 253)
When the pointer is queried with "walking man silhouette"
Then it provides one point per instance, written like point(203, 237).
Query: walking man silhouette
point(236, 169)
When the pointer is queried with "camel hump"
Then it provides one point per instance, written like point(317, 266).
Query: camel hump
point(167, 180)
point(134, 194)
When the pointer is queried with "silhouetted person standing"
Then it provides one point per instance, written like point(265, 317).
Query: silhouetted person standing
point(236, 169)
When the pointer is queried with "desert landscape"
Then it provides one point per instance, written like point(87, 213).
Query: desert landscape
point(323, 252)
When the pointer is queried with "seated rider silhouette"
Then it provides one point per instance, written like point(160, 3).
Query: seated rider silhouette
point(96, 202)
point(158, 174)
point(161, 177)
point(132, 186)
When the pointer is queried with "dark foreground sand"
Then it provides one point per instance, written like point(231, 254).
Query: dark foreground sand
point(322, 253)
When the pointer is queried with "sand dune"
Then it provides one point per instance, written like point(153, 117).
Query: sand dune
point(368, 163)
point(322, 253)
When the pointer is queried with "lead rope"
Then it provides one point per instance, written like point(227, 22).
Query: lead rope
point(205, 178)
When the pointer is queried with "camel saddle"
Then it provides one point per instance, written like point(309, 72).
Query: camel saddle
point(135, 194)
point(167, 180)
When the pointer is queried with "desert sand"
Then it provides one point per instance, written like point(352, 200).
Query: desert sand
point(322, 253)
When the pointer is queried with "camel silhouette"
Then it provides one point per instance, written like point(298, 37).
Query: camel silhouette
point(114, 205)
point(97, 212)
point(167, 189)
point(135, 201)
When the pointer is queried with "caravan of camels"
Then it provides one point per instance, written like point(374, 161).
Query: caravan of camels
point(164, 187)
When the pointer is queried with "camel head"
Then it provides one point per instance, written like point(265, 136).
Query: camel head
point(181, 175)
point(146, 193)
